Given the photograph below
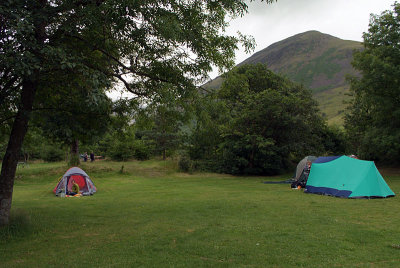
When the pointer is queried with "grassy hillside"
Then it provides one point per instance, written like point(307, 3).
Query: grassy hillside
point(319, 61)
point(332, 103)
point(153, 216)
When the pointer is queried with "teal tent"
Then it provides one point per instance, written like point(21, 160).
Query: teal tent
point(347, 177)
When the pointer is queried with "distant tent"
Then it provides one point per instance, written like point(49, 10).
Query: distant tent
point(77, 175)
point(347, 177)
point(302, 171)
point(302, 164)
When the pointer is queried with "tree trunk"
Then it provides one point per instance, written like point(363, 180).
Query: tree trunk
point(20, 125)
point(74, 160)
point(10, 160)
point(75, 147)
point(252, 153)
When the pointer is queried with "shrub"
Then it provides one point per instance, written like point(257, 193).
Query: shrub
point(121, 151)
point(51, 153)
point(185, 164)
point(141, 150)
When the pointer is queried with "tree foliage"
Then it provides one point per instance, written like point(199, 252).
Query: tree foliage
point(373, 118)
point(264, 119)
point(160, 122)
point(73, 115)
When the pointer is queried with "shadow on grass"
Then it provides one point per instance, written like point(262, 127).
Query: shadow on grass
point(20, 226)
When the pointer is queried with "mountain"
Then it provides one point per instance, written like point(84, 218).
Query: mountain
point(319, 61)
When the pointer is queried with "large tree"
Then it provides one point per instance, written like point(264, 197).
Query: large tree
point(160, 122)
point(271, 118)
point(77, 109)
point(257, 123)
point(373, 118)
point(72, 117)
point(149, 43)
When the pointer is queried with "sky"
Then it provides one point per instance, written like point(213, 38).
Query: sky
point(270, 23)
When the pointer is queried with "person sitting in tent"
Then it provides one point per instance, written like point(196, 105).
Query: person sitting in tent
point(302, 181)
point(74, 188)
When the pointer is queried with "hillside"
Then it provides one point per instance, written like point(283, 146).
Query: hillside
point(319, 61)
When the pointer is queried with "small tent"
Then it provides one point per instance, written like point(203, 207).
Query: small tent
point(78, 176)
point(302, 164)
point(347, 177)
point(302, 171)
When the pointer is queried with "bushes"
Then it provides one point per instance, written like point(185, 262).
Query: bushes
point(185, 164)
point(125, 150)
point(51, 153)
point(141, 150)
point(121, 151)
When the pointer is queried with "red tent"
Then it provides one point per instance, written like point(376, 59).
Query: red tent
point(78, 176)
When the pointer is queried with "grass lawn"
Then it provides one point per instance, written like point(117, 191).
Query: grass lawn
point(152, 216)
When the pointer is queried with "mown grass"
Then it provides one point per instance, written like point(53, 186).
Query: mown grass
point(152, 216)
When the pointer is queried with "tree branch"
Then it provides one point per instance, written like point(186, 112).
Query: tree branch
point(7, 118)
point(124, 66)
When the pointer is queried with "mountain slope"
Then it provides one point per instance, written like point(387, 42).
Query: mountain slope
point(319, 61)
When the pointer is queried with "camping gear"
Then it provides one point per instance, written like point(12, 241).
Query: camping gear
point(78, 176)
point(302, 171)
point(347, 177)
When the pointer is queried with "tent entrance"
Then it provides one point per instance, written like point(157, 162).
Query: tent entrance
point(78, 176)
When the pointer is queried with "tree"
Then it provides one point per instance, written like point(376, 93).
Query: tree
point(37, 146)
point(76, 115)
point(268, 118)
point(165, 130)
point(124, 145)
point(149, 43)
point(66, 111)
point(204, 136)
point(164, 118)
point(373, 117)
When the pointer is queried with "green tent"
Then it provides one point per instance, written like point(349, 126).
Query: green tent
point(347, 177)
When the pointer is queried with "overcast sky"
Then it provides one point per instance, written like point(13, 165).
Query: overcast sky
point(270, 23)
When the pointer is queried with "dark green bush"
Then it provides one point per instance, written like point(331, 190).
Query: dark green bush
point(141, 150)
point(121, 151)
point(185, 164)
point(51, 153)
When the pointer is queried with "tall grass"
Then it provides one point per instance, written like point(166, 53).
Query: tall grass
point(151, 216)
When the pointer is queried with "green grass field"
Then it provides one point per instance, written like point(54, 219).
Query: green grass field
point(153, 216)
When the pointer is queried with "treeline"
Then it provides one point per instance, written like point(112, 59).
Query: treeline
point(258, 122)
point(373, 117)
